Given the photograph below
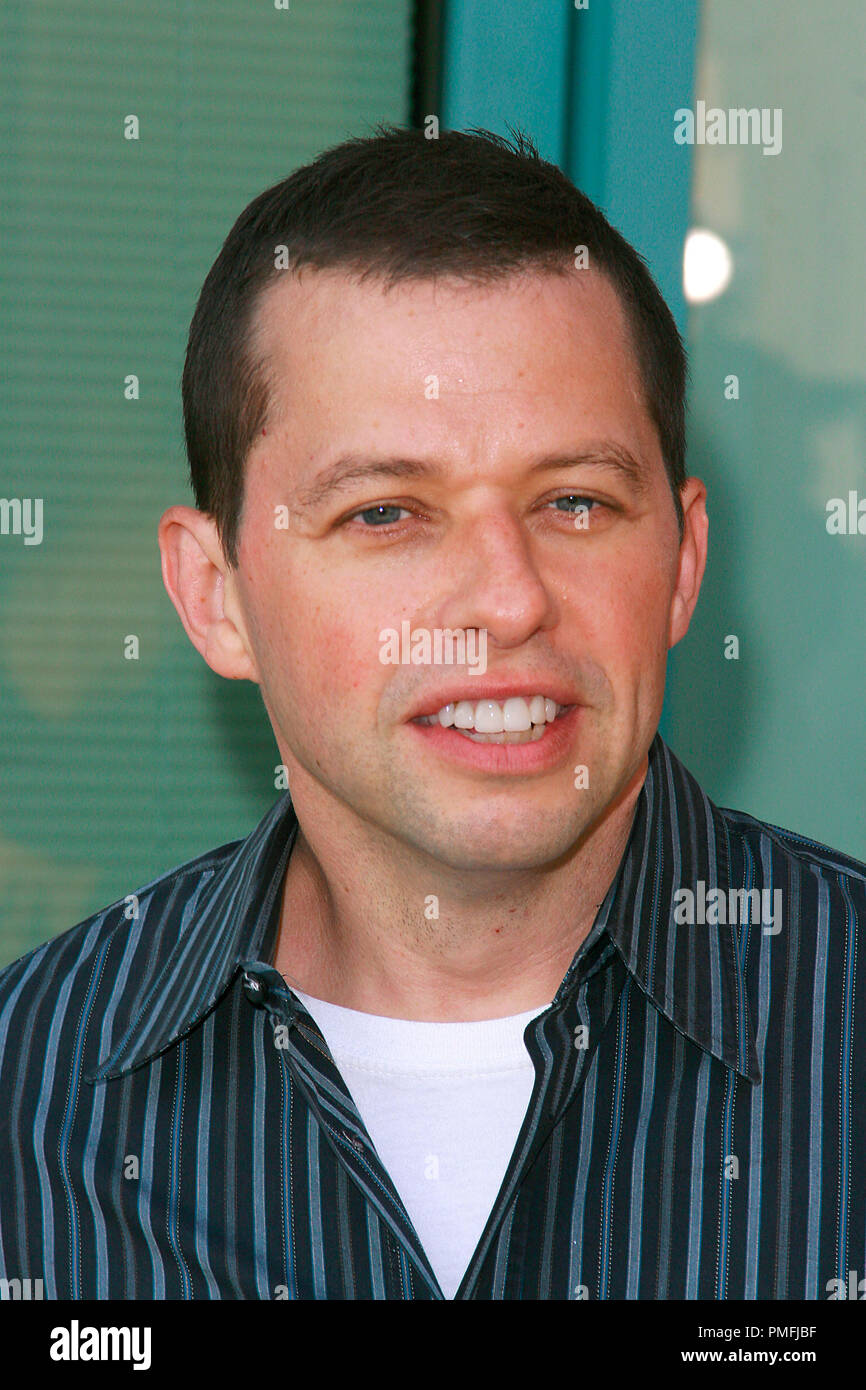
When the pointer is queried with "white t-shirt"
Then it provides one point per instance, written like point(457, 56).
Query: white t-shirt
point(443, 1104)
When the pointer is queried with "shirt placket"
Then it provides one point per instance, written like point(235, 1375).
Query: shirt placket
point(555, 1042)
point(304, 1052)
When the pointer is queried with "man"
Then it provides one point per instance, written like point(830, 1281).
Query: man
point(494, 1003)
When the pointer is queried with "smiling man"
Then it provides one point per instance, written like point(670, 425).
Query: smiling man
point(439, 1027)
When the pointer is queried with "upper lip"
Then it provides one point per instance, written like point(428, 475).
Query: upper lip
point(500, 688)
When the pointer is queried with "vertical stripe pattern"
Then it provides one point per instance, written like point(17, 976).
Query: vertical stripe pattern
point(173, 1125)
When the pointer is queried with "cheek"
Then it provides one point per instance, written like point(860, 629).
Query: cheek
point(318, 625)
point(328, 652)
point(621, 605)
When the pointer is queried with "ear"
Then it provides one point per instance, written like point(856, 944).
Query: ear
point(199, 583)
point(692, 559)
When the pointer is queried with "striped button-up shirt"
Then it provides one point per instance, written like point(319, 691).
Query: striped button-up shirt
point(173, 1125)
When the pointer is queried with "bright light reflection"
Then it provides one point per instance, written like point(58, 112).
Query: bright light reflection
point(707, 266)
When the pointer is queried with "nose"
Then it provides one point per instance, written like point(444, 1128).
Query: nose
point(498, 582)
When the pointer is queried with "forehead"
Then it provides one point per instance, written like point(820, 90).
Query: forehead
point(348, 356)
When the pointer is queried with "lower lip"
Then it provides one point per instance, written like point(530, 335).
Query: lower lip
point(546, 752)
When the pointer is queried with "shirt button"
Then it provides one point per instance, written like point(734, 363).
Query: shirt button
point(255, 989)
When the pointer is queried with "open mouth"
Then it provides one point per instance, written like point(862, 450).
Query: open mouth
point(515, 720)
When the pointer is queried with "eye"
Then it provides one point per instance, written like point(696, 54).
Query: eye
point(576, 503)
point(383, 514)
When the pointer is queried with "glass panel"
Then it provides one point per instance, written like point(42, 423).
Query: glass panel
point(780, 731)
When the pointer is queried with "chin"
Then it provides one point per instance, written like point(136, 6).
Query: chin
point(507, 846)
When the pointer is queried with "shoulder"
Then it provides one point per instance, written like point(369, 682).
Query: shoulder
point(809, 899)
point(115, 950)
point(800, 856)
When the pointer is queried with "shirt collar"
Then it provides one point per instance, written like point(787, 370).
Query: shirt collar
point(693, 974)
point(230, 918)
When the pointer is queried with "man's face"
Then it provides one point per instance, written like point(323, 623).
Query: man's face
point(473, 392)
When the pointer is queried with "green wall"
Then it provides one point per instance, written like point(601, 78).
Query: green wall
point(113, 771)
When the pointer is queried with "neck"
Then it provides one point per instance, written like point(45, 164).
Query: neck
point(358, 926)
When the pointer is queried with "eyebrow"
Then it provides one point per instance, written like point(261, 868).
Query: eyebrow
point(341, 475)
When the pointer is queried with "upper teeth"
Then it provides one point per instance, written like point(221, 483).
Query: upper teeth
point(513, 715)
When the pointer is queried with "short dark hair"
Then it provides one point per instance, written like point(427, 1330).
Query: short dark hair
point(400, 206)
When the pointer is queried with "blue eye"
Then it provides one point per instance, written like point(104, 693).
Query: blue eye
point(381, 514)
point(587, 502)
